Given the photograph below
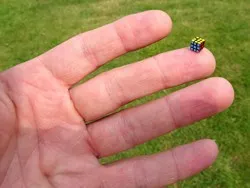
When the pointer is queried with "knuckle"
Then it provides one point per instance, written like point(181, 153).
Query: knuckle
point(140, 175)
point(127, 131)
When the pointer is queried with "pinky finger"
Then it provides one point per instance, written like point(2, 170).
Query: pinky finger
point(164, 168)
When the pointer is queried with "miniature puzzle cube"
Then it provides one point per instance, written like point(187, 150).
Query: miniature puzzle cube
point(197, 44)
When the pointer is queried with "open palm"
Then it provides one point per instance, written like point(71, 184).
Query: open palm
point(44, 139)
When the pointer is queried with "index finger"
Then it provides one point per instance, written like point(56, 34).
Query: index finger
point(82, 54)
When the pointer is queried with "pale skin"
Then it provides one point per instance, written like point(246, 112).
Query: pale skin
point(45, 140)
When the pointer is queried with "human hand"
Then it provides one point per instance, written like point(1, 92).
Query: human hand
point(44, 139)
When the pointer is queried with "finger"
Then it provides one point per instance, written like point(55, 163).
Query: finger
point(164, 168)
point(79, 56)
point(111, 90)
point(134, 126)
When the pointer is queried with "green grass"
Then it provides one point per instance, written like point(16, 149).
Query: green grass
point(30, 27)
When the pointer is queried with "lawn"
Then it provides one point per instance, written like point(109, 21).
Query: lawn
point(31, 27)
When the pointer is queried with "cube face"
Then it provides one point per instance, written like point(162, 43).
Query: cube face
point(197, 44)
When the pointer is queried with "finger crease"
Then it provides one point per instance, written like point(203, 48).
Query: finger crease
point(89, 55)
point(129, 136)
point(118, 100)
point(121, 39)
point(92, 145)
point(177, 169)
point(173, 119)
point(164, 79)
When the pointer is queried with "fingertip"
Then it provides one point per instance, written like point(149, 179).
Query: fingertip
point(160, 21)
point(195, 157)
point(223, 91)
point(208, 58)
point(204, 155)
point(228, 94)
point(201, 64)
point(205, 59)
point(165, 21)
point(142, 29)
point(210, 150)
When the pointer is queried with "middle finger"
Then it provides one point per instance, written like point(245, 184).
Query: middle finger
point(109, 91)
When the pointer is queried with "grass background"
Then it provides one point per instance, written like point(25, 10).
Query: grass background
point(30, 27)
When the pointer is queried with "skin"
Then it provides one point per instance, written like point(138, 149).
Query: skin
point(52, 130)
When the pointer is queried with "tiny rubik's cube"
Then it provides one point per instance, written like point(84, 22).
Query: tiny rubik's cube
point(197, 44)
